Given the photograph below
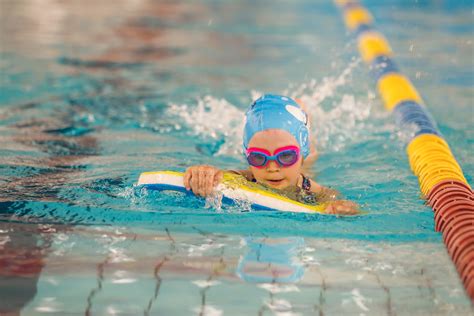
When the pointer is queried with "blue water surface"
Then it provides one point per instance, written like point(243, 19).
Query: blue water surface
point(92, 96)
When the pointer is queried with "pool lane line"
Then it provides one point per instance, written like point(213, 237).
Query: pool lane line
point(440, 177)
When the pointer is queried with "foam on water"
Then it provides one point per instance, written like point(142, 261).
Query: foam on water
point(213, 118)
point(333, 127)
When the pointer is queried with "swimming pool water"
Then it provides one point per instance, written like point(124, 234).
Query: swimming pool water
point(93, 95)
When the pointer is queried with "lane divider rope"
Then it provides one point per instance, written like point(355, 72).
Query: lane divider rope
point(440, 177)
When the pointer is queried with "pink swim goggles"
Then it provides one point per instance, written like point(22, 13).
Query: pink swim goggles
point(284, 156)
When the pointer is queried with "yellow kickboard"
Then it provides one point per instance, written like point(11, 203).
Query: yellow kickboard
point(234, 187)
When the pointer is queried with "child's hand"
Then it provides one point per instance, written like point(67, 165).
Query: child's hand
point(202, 179)
point(342, 207)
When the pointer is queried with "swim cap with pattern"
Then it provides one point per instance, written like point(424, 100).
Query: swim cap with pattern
point(277, 112)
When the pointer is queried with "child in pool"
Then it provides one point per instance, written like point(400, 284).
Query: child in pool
point(276, 143)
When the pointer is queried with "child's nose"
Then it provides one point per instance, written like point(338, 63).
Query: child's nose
point(272, 165)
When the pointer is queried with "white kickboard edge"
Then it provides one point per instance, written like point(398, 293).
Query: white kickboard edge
point(154, 180)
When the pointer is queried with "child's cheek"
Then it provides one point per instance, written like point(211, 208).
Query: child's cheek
point(294, 173)
point(257, 173)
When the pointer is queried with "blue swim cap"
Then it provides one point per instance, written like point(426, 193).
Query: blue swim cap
point(277, 112)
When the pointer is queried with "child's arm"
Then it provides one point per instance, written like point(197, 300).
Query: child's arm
point(202, 179)
point(328, 195)
point(324, 193)
point(342, 207)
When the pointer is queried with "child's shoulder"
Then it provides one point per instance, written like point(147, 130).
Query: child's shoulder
point(323, 192)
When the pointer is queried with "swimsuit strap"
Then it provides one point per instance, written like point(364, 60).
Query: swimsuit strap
point(306, 184)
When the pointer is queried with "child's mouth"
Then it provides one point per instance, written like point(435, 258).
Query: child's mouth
point(274, 182)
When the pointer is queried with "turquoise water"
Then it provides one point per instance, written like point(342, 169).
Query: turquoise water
point(91, 96)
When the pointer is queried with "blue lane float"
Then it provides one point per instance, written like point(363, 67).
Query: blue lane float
point(410, 113)
point(381, 66)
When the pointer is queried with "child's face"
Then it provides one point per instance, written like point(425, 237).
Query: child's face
point(272, 174)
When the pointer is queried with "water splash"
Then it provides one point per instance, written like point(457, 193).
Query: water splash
point(314, 93)
point(213, 118)
point(342, 125)
point(338, 119)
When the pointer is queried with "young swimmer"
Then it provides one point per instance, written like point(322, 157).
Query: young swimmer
point(276, 143)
